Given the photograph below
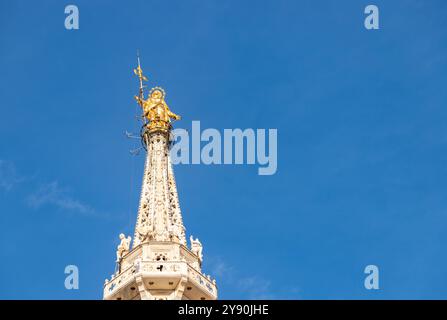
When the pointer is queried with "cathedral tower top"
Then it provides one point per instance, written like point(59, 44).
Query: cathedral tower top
point(160, 265)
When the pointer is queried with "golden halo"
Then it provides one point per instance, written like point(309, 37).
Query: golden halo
point(160, 89)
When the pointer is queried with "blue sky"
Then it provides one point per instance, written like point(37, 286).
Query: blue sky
point(362, 142)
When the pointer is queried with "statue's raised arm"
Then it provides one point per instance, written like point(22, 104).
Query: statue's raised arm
point(139, 100)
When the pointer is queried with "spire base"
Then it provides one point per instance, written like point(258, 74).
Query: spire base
point(157, 270)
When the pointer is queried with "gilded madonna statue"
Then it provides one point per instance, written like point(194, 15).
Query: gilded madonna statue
point(156, 110)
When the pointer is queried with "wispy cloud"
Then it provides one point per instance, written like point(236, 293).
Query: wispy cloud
point(53, 194)
point(49, 194)
point(8, 175)
point(253, 286)
point(257, 288)
point(220, 269)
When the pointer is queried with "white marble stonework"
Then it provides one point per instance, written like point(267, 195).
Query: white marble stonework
point(159, 265)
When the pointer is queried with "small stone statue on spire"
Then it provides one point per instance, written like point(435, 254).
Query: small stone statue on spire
point(196, 247)
point(123, 247)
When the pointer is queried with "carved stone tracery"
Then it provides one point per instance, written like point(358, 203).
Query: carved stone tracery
point(159, 215)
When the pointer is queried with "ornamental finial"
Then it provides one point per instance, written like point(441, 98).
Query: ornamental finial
point(139, 73)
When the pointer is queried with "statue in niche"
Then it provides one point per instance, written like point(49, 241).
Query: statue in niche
point(196, 247)
point(176, 232)
point(123, 247)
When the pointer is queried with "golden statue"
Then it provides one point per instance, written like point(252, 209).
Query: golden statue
point(155, 108)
